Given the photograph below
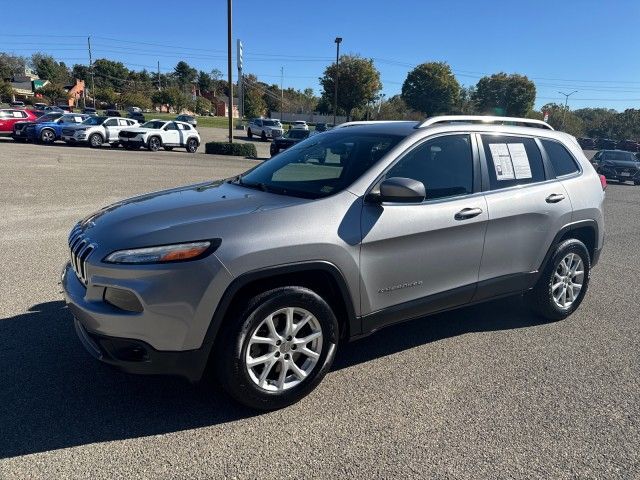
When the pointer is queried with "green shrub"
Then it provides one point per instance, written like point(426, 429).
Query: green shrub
point(226, 148)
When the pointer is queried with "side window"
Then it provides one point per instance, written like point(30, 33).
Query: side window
point(512, 161)
point(111, 122)
point(444, 165)
point(259, 123)
point(562, 161)
point(183, 126)
point(123, 123)
point(170, 126)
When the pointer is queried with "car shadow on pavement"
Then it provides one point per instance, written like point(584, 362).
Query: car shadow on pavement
point(503, 314)
point(54, 395)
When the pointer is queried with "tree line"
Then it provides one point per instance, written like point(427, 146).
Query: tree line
point(430, 88)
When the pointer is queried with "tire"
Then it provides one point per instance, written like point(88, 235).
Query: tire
point(636, 182)
point(192, 145)
point(95, 140)
point(274, 151)
point(168, 149)
point(263, 136)
point(249, 133)
point(248, 385)
point(553, 281)
point(154, 144)
point(47, 136)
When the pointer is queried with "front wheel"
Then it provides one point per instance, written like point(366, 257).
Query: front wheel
point(563, 282)
point(192, 145)
point(95, 140)
point(154, 144)
point(47, 136)
point(278, 349)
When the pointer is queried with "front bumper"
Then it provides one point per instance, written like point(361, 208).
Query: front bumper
point(131, 141)
point(166, 337)
point(73, 139)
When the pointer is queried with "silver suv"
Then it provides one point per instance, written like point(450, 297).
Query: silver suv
point(262, 276)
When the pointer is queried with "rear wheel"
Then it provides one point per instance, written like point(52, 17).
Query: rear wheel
point(278, 349)
point(564, 281)
point(95, 140)
point(47, 136)
point(154, 144)
point(192, 145)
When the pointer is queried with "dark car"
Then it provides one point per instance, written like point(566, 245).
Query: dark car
point(618, 165)
point(321, 127)
point(606, 144)
point(628, 145)
point(190, 119)
point(292, 137)
point(139, 116)
point(90, 111)
point(587, 143)
point(112, 113)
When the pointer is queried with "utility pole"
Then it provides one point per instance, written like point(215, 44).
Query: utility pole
point(338, 40)
point(159, 84)
point(566, 101)
point(93, 80)
point(240, 79)
point(282, 93)
point(229, 70)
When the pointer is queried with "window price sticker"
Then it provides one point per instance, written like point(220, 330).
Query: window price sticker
point(510, 161)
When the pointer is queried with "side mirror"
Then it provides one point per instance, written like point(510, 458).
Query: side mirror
point(401, 190)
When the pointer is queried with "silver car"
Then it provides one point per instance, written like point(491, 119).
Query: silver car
point(264, 275)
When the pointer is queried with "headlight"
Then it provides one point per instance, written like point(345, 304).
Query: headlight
point(167, 253)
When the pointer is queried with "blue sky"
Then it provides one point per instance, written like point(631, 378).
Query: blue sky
point(589, 46)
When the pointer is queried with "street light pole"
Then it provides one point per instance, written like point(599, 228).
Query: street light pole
point(338, 40)
point(566, 101)
point(229, 70)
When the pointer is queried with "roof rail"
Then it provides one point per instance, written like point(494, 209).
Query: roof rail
point(367, 122)
point(523, 122)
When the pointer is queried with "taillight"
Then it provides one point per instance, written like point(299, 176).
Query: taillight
point(603, 182)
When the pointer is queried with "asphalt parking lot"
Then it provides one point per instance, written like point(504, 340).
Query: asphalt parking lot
point(483, 392)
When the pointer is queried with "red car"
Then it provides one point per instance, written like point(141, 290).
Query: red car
point(10, 116)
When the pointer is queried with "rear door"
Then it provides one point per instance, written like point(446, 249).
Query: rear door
point(527, 207)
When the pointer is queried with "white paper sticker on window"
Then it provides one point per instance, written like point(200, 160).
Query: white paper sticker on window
point(77, 119)
point(17, 114)
point(520, 161)
point(502, 161)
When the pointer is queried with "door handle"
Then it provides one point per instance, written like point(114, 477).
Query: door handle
point(555, 198)
point(467, 213)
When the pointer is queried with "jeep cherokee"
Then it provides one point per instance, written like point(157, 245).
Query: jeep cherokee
point(263, 275)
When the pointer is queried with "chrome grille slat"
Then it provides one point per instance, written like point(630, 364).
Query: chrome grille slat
point(80, 248)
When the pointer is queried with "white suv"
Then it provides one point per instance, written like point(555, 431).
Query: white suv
point(264, 128)
point(300, 125)
point(156, 134)
point(96, 131)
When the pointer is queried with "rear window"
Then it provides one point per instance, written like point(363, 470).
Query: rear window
point(562, 161)
point(512, 161)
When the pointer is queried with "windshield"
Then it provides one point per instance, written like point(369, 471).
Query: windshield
point(620, 156)
point(94, 121)
point(49, 117)
point(270, 123)
point(297, 134)
point(155, 124)
point(321, 165)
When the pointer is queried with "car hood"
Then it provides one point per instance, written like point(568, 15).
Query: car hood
point(181, 214)
point(622, 163)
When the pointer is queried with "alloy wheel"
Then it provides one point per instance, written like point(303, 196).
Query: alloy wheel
point(567, 280)
point(284, 349)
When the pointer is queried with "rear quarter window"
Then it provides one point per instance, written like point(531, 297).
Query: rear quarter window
point(562, 161)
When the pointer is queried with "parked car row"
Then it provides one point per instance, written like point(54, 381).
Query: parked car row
point(94, 130)
point(608, 144)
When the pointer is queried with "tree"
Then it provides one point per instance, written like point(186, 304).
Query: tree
point(6, 92)
point(358, 82)
point(563, 119)
point(10, 65)
point(216, 77)
point(205, 84)
point(81, 72)
point(106, 95)
point(176, 99)
point(48, 68)
point(184, 73)
point(502, 94)
point(110, 74)
point(598, 122)
point(431, 88)
point(135, 99)
point(201, 105)
point(396, 109)
point(53, 93)
point(254, 104)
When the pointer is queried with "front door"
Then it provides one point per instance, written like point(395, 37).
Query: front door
point(171, 135)
point(425, 257)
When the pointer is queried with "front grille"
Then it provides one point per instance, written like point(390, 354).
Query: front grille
point(80, 248)
point(128, 134)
